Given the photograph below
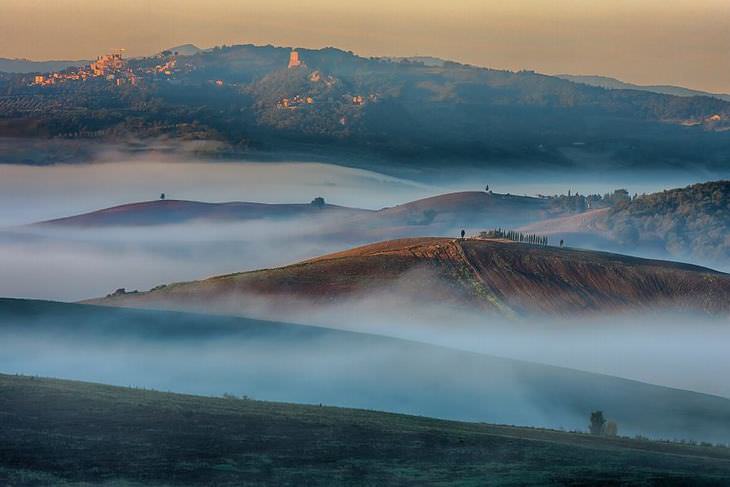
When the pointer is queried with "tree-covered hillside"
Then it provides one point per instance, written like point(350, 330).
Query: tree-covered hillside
point(249, 99)
point(689, 222)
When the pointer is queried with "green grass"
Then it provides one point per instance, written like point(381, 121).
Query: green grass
point(55, 432)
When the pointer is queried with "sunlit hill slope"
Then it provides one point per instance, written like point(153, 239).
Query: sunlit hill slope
point(488, 274)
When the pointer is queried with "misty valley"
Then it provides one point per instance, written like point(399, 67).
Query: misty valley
point(262, 265)
point(505, 325)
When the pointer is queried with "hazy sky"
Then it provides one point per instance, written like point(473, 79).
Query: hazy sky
point(684, 42)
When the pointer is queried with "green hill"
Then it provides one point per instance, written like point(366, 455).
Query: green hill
point(691, 223)
point(61, 432)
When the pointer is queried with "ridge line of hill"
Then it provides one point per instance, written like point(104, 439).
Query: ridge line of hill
point(489, 274)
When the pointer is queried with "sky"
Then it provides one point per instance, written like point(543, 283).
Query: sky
point(681, 42)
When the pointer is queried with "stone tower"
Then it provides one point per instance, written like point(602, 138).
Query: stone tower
point(294, 61)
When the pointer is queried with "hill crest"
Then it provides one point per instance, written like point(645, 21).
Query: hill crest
point(167, 211)
point(491, 275)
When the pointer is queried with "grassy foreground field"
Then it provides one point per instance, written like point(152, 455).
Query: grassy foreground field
point(55, 432)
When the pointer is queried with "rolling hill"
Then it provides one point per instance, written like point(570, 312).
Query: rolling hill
point(469, 209)
point(163, 212)
point(62, 432)
point(206, 354)
point(484, 274)
point(441, 214)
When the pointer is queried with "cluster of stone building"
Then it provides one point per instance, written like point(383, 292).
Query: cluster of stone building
point(115, 69)
point(111, 67)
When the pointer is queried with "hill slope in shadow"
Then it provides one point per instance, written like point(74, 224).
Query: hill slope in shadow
point(148, 438)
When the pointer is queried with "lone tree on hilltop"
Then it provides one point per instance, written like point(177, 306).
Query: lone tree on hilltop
point(162, 196)
point(597, 423)
point(318, 202)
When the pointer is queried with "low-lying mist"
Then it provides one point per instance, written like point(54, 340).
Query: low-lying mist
point(71, 264)
point(74, 264)
point(673, 348)
point(32, 193)
point(677, 350)
point(264, 360)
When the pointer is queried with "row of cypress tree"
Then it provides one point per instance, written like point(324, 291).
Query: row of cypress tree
point(530, 238)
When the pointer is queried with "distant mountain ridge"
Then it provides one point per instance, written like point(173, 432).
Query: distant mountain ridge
point(616, 84)
point(185, 49)
point(28, 66)
point(425, 60)
point(336, 104)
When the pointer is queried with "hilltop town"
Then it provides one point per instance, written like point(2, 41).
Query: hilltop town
point(110, 67)
point(118, 71)
point(248, 100)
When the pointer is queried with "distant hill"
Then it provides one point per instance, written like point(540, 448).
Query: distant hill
point(692, 221)
point(28, 66)
point(449, 213)
point(685, 223)
point(492, 275)
point(339, 105)
point(206, 440)
point(306, 364)
point(445, 213)
point(615, 84)
point(469, 208)
point(185, 50)
point(162, 212)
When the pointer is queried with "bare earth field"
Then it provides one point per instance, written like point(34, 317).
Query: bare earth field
point(486, 274)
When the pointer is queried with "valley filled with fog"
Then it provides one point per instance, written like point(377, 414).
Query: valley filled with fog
point(212, 355)
point(72, 264)
point(376, 244)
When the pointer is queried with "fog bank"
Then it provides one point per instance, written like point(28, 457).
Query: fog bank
point(216, 355)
